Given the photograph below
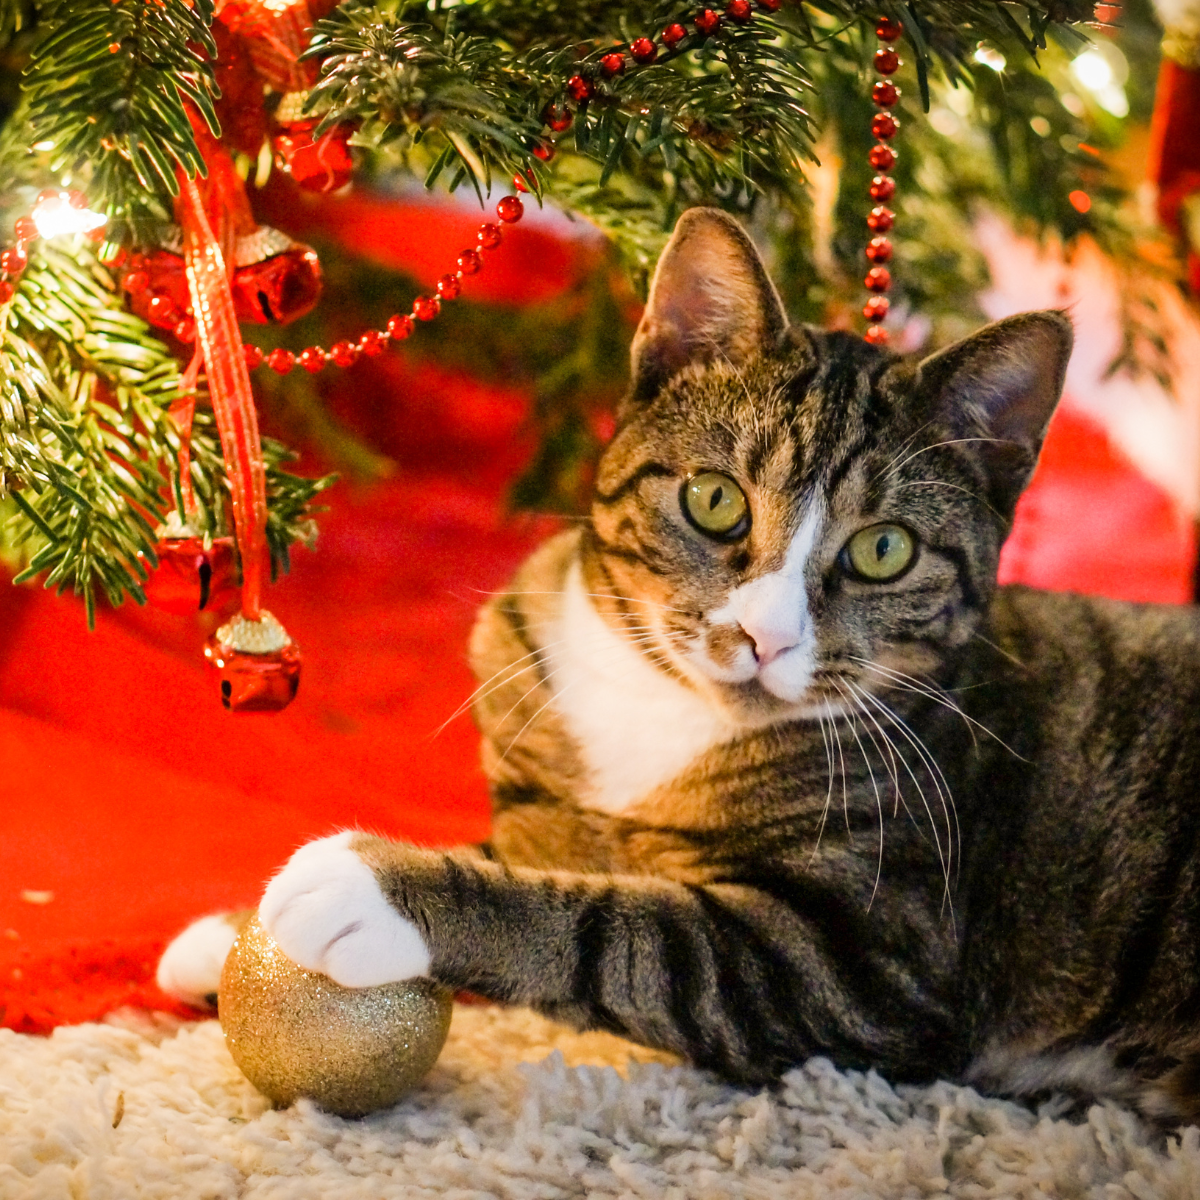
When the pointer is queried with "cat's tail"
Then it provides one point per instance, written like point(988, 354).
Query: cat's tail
point(190, 968)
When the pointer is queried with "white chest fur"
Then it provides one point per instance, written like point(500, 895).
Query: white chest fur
point(636, 726)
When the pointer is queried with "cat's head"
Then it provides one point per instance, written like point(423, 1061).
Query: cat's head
point(786, 514)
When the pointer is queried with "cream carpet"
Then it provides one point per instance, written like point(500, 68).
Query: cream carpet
point(520, 1109)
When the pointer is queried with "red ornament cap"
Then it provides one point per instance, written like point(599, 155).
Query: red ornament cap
point(643, 50)
point(888, 30)
point(707, 22)
point(257, 663)
point(882, 158)
point(673, 35)
point(885, 93)
point(344, 354)
point(580, 90)
point(25, 229)
point(559, 119)
point(281, 361)
point(876, 309)
point(884, 126)
point(470, 262)
point(879, 250)
point(509, 209)
point(739, 11)
point(13, 260)
point(312, 359)
point(887, 62)
point(449, 287)
point(878, 279)
point(372, 343)
point(883, 187)
point(425, 308)
point(880, 219)
point(400, 326)
point(490, 236)
point(612, 64)
point(253, 355)
point(876, 335)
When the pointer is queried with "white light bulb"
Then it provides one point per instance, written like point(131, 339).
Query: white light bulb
point(55, 215)
point(1092, 69)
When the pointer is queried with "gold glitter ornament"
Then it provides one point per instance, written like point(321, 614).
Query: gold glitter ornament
point(297, 1033)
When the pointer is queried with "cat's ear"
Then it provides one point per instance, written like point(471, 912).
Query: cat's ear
point(1000, 385)
point(711, 299)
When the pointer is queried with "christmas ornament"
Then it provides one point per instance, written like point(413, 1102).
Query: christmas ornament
point(193, 574)
point(884, 126)
point(322, 164)
point(297, 1033)
point(257, 663)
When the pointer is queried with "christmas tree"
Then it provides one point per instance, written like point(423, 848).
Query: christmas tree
point(137, 135)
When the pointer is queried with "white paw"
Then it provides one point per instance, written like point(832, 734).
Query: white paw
point(190, 968)
point(327, 914)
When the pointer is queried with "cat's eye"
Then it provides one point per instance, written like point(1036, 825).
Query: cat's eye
point(879, 552)
point(716, 506)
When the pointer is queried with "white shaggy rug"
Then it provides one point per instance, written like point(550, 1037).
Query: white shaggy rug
point(520, 1109)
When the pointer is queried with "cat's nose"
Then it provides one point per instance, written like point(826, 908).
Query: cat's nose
point(768, 643)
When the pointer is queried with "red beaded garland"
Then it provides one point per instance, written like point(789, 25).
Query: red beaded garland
point(580, 90)
point(185, 331)
point(163, 313)
point(876, 309)
point(884, 126)
point(520, 184)
point(470, 262)
point(510, 209)
point(879, 250)
point(399, 327)
point(612, 64)
point(888, 30)
point(880, 219)
point(739, 11)
point(7, 291)
point(425, 308)
point(281, 360)
point(343, 354)
point(876, 335)
point(707, 22)
point(885, 93)
point(372, 343)
point(673, 35)
point(887, 62)
point(13, 260)
point(136, 281)
point(878, 279)
point(883, 187)
point(490, 236)
point(26, 229)
point(253, 355)
point(544, 150)
point(449, 287)
point(882, 158)
point(312, 359)
point(643, 50)
point(559, 119)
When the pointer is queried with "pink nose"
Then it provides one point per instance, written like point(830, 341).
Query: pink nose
point(769, 644)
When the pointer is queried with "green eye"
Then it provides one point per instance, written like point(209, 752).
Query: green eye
point(880, 552)
point(716, 506)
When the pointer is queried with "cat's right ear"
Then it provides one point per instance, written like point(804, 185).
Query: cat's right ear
point(711, 300)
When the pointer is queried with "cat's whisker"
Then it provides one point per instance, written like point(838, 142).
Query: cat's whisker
point(878, 799)
point(892, 752)
point(957, 487)
point(949, 442)
point(904, 445)
point(828, 790)
point(1012, 658)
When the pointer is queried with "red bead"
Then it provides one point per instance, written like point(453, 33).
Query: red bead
point(7, 291)
point(885, 93)
point(281, 360)
point(882, 158)
point(559, 119)
point(510, 209)
point(425, 308)
point(612, 64)
point(643, 50)
point(26, 229)
point(771, 5)
point(876, 335)
point(673, 35)
point(876, 308)
point(490, 236)
point(136, 281)
point(76, 199)
point(883, 187)
point(344, 354)
point(884, 126)
point(372, 343)
point(887, 62)
point(470, 262)
point(13, 260)
point(255, 682)
point(707, 22)
point(888, 30)
point(520, 184)
point(254, 355)
point(161, 311)
point(880, 219)
point(312, 359)
point(114, 256)
point(879, 250)
point(185, 331)
point(878, 279)
point(400, 327)
point(580, 90)
point(449, 287)
point(544, 150)
point(46, 195)
point(739, 11)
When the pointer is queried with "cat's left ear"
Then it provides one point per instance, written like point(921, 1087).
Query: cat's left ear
point(711, 301)
point(1001, 385)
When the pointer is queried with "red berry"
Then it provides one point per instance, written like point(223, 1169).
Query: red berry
point(888, 30)
point(876, 335)
point(161, 311)
point(510, 209)
point(643, 50)
point(882, 158)
point(312, 359)
point(344, 354)
point(254, 355)
point(372, 343)
point(7, 291)
point(449, 287)
point(707, 22)
point(490, 236)
point(14, 260)
point(612, 64)
point(879, 250)
point(885, 93)
point(878, 279)
point(883, 187)
point(425, 308)
point(739, 11)
point(673, 35)
point(544, 150)
point(26, 229)
point(281, 360)
point(185, 331)
point(559, 119)
point(400, 327)
point(884, 126)
point(876, 308)
point(887, 62)
point(580, 90)
point(136, 281)
point(880, 219)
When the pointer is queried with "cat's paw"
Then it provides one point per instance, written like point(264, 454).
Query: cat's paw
point(327, 914)
point(190, 968)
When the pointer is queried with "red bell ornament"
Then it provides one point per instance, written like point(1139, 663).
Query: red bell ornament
point(192, 576)
point(276, 280)
point(322, 164)
point(257, 663)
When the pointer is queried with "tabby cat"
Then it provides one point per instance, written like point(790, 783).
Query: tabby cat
point(778, 770)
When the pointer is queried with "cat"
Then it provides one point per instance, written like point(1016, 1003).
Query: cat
point(778, 770)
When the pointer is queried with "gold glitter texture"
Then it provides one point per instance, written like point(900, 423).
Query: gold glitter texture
point(297, 1033)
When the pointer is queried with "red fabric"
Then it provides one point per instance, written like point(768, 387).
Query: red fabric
point(131, 797)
